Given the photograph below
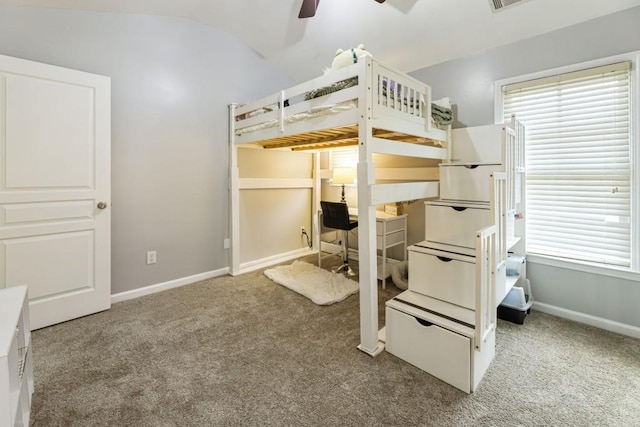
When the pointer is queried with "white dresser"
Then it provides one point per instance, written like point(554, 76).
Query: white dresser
point(16, 363)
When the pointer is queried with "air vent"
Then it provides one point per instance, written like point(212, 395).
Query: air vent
point(497, 5)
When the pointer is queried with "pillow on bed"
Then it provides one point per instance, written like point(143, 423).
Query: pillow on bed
point(342, 58)
point(348, 57)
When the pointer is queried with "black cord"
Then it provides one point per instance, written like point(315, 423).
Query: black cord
point(304, 232)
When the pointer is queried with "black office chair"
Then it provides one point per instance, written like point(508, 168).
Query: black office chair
point(336, 215)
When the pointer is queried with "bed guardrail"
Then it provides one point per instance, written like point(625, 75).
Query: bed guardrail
point(499, 212)
point(324, 92)
point(400, 96)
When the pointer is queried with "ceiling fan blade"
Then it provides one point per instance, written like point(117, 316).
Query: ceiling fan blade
point(308, 8)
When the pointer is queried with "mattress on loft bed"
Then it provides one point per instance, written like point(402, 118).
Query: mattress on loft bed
point(441, 116)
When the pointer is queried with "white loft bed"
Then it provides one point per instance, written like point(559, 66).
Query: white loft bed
point(383, 111)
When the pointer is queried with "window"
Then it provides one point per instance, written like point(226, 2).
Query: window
point(345, 157)
point(578, 162)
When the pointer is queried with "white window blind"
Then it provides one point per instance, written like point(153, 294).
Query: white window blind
point(578, 172)
point(343, 158)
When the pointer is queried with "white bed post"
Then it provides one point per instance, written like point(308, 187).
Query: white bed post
point(367, 222)
point(315, 201)
point(234, 197)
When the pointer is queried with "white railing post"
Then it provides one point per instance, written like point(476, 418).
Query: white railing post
point(498, 211)
point(485, 311)
point(234, 196)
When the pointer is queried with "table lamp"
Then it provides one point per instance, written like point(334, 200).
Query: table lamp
point(344, 176)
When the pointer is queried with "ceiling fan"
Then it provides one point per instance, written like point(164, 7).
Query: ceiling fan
point(309, 8)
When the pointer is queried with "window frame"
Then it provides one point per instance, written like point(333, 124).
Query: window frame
point(632, 273)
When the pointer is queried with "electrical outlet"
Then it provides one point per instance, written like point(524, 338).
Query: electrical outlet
point(302, 230)
point(151, 257)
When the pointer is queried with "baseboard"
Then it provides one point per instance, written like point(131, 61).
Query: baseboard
point(250, 266)
point(598, 322)
point(159, 287)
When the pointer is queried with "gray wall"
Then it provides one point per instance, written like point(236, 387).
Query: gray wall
point(469, 83)
point(172, 80)
point(270, 219)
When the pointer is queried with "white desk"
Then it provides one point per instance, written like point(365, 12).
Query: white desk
point(390, 231)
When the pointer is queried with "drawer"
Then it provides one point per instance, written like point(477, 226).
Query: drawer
point(392, 225)
point(455, 224)
point(392, 239)
point(443, 275)
point(466, 182)
point(440, 352)
point(478, 144)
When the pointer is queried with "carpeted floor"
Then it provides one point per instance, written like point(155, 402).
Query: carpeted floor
point(246, 351)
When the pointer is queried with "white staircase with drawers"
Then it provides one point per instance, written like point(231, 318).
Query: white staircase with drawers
point(445, 322)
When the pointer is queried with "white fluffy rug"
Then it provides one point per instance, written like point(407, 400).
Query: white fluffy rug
point(320, 286)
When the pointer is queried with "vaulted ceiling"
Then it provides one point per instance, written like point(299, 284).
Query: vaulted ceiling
point(406, 34)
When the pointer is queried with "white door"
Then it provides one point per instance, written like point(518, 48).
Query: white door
point(55, 188)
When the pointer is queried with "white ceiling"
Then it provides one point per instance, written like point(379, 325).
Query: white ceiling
point(406, 34)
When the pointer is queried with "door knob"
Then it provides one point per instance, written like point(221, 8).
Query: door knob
point(102, 205)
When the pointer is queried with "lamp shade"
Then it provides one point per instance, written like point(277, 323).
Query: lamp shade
point(344, 175)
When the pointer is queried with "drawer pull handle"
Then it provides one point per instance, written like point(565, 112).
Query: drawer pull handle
point(470, 166)
point(444, 259)
point(458, 208)
point(423, 322)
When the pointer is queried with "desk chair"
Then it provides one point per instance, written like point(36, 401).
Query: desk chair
point(336, 215)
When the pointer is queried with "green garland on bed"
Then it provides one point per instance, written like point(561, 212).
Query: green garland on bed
point(343, 84)
point(441, 115)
